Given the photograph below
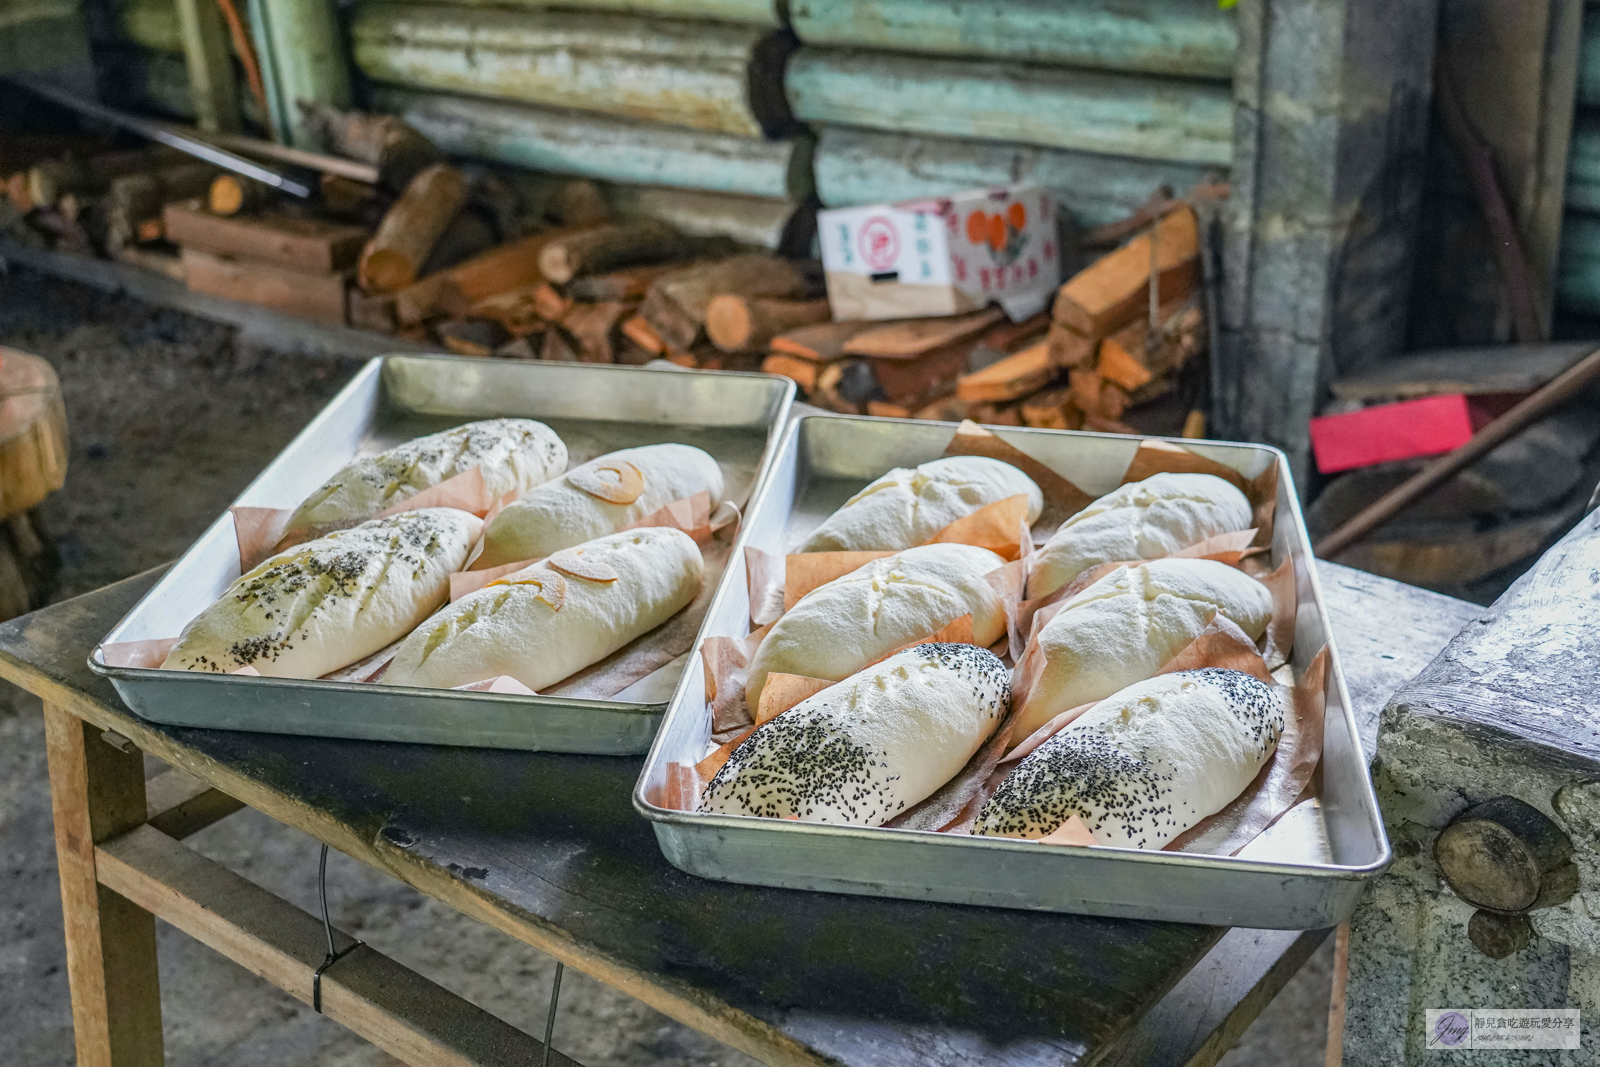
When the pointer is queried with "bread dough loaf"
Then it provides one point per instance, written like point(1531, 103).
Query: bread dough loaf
point(907, 506)
point(1125, 627)
point(568, 512)
point(328, 602)
point(1149, 763)
point(510, 453)
point(839, 628)
point(872, 746)
point(1140, 520)
point(548, 621)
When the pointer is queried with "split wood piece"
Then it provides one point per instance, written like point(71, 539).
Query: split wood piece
point(579, 202)
point(345, 196)
point(1113, 401)
point(47, 182)
point(629, 284)
point(472, 337)
point(232, 194)
point(558, 347)
point(33, 432)
point(455, 291)
point(822, 343)
point(745, 324)
point(677, 302)
point(1101, 424)
point(136, 199)
point(470, 234)
point(1113, 290)
point(1052, 409)
point(148, 231)
point(803, 372)
point(168, 264)
point(845, 386)
point(1006, 339)
point(917, 337)
point(398, 151)
point(630, 354)
point(319, 297)
point(1121, 366)
point(945, 409)
point(608, 247)
point(1069, 348)
point(916, 382)
point(1495, 854)
point(1127, 356)
point(549, 303)
point(372, 311)
point(1498, 936)
point(1013, 377)
point(989, 414)
point(595, 328)
point(638, 330)
point(411, 227)
point(884, 410)
point(308, 245)
point(1086, 387)
point(518, 348)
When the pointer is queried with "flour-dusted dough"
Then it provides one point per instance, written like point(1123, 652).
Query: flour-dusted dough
point(559, 514)
point(872, 746)
point(839, 628)
point(548, 621)
point(1147, 764)
point(326, 603)
point(1124, 627)
point(510, 453)
point(1140, 520)
point(907, 506)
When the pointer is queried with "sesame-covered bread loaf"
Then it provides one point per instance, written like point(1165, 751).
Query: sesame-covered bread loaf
point(1140, 520)
point(839, 628)
point(1126, 626)
point(597, 498)
point(329, 602)
point(1147, 764)
point(509, 453)
point(545, 622)
point(865, 750)
point(909, 505)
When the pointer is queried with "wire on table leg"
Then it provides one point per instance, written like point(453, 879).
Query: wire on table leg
point(327, 928)
point(550, 1019)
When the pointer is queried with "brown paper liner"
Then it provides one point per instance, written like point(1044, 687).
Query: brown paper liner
point(766, 574)
point(502, 683)
point(1162, 457)
point(1278, 641)
point(682, 790)
point(257, 531)
point(143, 654)
point(784, 691)
point(370, 669)
point(993, 526)
point(806, 571)
point(1071, 832)
point(248, 671)
point(466, 491)
point(1062, 499)
point(726, 662)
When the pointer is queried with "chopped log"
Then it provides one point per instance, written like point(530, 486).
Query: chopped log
point(516, 310)
point(676, 304)
point(803, 372)
point(835, 380)
point(33, 432)
point(1013, 377)
point(1495, 854)
point(885, 410)
point(47, 182)
point(1498, 936)
point(558, 347)
point(346, 196)
point(135, 199)
point(595, 328)
point(1113, 290)
point(499, 270)
point(1120, 365)
point(470, 234)
point(822, 343)
point(914, 383)
point(629, 284)
point(631, 354)
point(781, 225)
point(311, 296)
point(517, 348)
point(372, 311)
point(1086, 388)
point(1182, 336)
point(398, 151)
point(680, 359)
point(549, 303)
point(996, 414)
point(150, 230)
point(231, 194)
point(1051, 409)
point(745, 324)
point(1006, 338)
point(579, 202)
point(638, 330)
point(1101, 424)
point(917, 337)
point(1558, 886)
point(473, 336)
point(1113, 401)
point(410, 228)
point(304, 244)
point(607, 247)
point(1194, 425)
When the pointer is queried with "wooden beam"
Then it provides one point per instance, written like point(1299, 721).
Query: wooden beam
point(319, 297)
point(180, 804)
point(388, 1004)
point(310, 245)
point(210, 61)
point(97, 792)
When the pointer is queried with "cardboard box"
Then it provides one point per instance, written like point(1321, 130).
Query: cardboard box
point(942, 257)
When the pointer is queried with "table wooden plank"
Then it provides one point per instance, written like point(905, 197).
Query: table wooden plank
point(548, 848)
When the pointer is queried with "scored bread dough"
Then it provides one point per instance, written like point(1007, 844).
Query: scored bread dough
point(1141, 520)
point(329, 602)
point(872, 746)
point(1146, 764)
point(909, 505)
point(597, 498)
point(1126, 626)
point(839, 628)
point(551, 620)
point(510, 453)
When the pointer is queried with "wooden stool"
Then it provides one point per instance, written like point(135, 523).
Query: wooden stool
point(33, 464)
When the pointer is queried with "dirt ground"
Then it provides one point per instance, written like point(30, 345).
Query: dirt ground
point(170, 418)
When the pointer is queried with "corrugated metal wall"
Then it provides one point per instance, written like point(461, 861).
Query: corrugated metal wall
point(855, 101)
point(1578, 276)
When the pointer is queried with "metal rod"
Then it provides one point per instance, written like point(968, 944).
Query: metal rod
point(254, 146)
point(550, 1019)
point(1563, 388)
point(159, 132)
point(327, 928)
point(322, 893)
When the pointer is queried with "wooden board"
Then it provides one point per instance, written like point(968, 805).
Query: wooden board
point(319, 297)
point(790, 977)
point(310, 246)
point(1474, 371)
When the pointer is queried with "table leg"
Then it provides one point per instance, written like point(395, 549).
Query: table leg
point(97, 792)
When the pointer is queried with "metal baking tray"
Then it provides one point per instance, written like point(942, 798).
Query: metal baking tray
point(1315, 873)
point(738, 418)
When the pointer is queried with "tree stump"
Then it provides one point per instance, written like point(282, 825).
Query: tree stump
point(33, 464)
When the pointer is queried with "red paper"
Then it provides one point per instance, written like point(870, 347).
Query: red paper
point(1385, 433)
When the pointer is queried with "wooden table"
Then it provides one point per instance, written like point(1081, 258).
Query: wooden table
point(548, 849)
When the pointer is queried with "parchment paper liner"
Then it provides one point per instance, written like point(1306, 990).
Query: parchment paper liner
point(1157, 457)
point(1062, 499)
point(466, 491)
